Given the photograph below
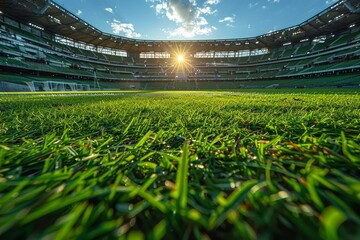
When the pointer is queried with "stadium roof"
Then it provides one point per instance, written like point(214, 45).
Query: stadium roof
point(57, 20)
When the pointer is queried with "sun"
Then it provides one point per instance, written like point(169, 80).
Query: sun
point(180, 58)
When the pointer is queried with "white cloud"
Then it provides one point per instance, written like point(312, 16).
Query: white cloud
point(190, 31)
point(189, 16)
point(110, 10)
point(330, 2)
point(79, 12)
point(228, 21)
point(202, 21)
point(181, 11)
point(160, 7)
point(207, 10)
point(127, 29)
point(212, 2)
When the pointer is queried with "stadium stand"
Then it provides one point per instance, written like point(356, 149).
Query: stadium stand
point(37, 47)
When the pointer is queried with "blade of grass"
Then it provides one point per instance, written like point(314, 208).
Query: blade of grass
point(182, 180)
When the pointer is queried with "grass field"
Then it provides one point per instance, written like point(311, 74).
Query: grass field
point(180, 165)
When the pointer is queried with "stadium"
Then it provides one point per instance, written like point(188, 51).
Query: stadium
point(104, 136)
point(42, 44)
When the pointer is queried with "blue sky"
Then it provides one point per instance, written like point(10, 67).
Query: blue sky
point(193, 19)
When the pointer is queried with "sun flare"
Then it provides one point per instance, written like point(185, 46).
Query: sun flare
point(180, 58)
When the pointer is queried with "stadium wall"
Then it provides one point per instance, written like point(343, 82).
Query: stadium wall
point(31, 52)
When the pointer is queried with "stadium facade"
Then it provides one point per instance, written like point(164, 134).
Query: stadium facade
point(42, 44)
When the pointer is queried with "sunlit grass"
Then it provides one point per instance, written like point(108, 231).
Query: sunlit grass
point(190, 165)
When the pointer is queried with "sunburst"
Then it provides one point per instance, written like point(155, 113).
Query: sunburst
point(180, 58)
point(180, 63)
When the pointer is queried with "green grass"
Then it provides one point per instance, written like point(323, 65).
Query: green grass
point(180, 165)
